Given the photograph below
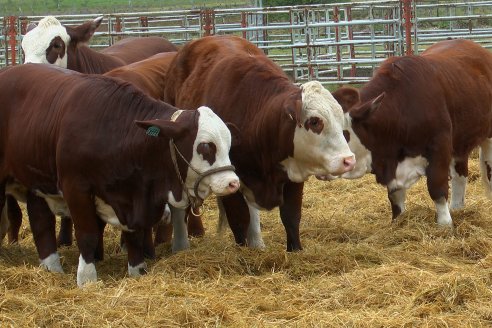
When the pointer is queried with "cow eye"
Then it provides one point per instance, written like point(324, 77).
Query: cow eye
point(204, 148)
point(57, 46)
point(314, 121)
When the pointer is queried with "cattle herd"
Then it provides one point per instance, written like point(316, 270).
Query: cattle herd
point(139, 134)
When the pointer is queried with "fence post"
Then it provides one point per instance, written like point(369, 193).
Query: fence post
point(208, 19)
point(407, 13)
point(12, 34)
point(144, 23)
point(336, 19)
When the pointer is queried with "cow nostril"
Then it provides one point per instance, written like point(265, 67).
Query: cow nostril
point(234, 185)
point(349, 163)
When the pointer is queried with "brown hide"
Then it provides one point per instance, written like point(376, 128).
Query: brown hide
point(129, 50)
point(438, 105)
point(244, 87)
point(62, 130)
point(149, 75)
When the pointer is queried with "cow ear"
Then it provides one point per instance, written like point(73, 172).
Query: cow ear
point(83, 33)
point(293, 110)
point(367, 108)
point(347, 97)
point(235, 134)
point(162, 128)
point(31, 26)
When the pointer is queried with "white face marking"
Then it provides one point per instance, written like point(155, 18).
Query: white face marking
point(212, 129)
point(320, 154)
point(85, 272)
point(363, 155)
point(36, 42)
point(458, 188)
point(107, 214)
point(134, 271)
point(52, 263)
point(408, 172)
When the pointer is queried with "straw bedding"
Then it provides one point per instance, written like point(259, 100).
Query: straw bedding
point(357, 269)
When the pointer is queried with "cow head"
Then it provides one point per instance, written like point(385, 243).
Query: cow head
point(209, 154)
point(319, 145)
point(49, 42)
point(356, 128)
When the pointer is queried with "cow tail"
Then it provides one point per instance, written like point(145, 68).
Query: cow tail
point(223, 223)
point(486, 167)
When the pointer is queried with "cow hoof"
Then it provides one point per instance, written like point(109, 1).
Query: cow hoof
point(52, 263)
point(86, 272)
point(256, 243)
point(137, 271)
point(180, 245)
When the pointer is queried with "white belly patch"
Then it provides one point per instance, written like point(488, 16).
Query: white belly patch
point(56, 203)
point(408, 172)
point(107, 214)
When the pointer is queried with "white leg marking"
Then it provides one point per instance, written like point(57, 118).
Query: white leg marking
point(458, 187)
point(136, 270)
point(254, 238)
point(52, 263)
point(397, 197)
point(85, 272)
point(180, 230)
point(223, 223)
point(443, 216)
point(486, 165)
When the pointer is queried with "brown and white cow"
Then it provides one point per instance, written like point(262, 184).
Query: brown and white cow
point(75, 138)
point(50, 42)
point(287, 133)
point(423, 115)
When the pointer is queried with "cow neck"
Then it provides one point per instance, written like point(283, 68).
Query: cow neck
point(85, 60)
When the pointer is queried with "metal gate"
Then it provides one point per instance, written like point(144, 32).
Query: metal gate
point(334, 43)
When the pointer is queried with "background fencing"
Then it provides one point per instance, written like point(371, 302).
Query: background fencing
point(334, 43)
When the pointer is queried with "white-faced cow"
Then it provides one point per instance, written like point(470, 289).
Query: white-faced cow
point(50, 42)
point(287, 133)
point(76, 143)
point(423, 115)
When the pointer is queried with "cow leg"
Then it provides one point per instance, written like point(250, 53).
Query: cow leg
point(195, 224)
point(99, 252)
point(290, 213)
point(163, 229)
point(180, 230)
point(14, 215)
point(459, 172)
point(148, 244)
point(237, 213)
point(397, 199)
point(87, 232)
point(437, 184)
point(135, 246)
point(4, 223)
point(254, 239)
point(486, 165)
point(65, 234)
point(43, 222)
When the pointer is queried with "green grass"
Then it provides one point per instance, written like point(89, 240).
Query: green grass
point(54, 7)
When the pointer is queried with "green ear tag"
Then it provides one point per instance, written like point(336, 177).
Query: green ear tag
point(153, 131)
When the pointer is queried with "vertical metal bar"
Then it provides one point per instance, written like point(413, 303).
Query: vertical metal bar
point(309, 52)
point(337, 40)
point(353, 70)
point(12, 31)
point(244, 23)
point(144, 23)
point(407, 11)
point(117, 27)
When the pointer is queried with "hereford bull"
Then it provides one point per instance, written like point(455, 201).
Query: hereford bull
point(287, 133)
point(75, 138)
point(423, 115)
point(50, 42)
